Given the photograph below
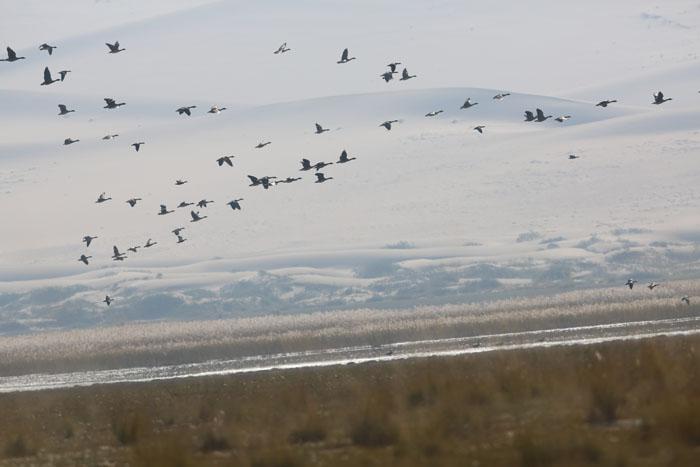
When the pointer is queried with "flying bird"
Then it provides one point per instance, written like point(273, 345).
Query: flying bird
point(480, 128)
point(225, 160)
point(282, 49)
point(685, 299)
point(215, 110)
point(102, 198)
point(320, 178)
point(184, 204)
point(69, 141)
point(541, 117)
point(47, 78)
point(186, 110)
point(344, 57)
point(114, 48)
point(180, 239)
point(630, 283)
point(266, 181)
point(134, 249)
point(562, 118)
point(392, 66)
point(117, 256)
point(659, 98)
point(150, 243)
point(573, 156)
point(132, 202)
point(64, 110)
point(164, 210)
point(605, 103)
point(319, 165)
point(84, 259)
point(288, 180)
point(178, 230)
point(529, 116)
point(501, 96)
point(405, 76)
point(109, 137)
point(468, 103)
point(344, 157)
point(434, 113)
point(87, 239)
point(47, 47)
point(11, 56)
point(137, 146)
point(320, 129)
point(112, 104)
point(108, 300)
point(179, 182)
point(196, 217)
point(63, 74)
point(235, 204)
point(305, 165)
point(651, 285)
point(387, 124)
point(203, 203)
point(262, 145)
point(387, 76)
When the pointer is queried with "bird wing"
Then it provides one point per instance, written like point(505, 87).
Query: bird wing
point(320, 177)
point(47, 74)
point(116, 251)
point(405, 73)
point(11, 54)
point(345, 55)
point(228, 161)
point(109, 101)
point(111, 47)
point(659, 95)
point(163, 208)
point(540, 114)
point(253, 179)
point(220, 161)
point(194, 215)
point(344, 155)
point(318, 127)
point(62, 107)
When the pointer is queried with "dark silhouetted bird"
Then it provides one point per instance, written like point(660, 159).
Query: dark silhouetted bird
point(108, 300)
point(112, 104)
point(132, 202)
point(387, 76)
point(652, 285)
point(288, 180)
point(117, 256)
point(203, 203)
point(501, 96)
point(134, 249)
point(541, 117)
point(344, 157)
point(87, 239)
point(180, 182)
point(266, 181)
point(605, 103)
point(405, 76)
point(69, 141)
point(180, 239)
point(434, 113)
point(468, 103)
point(164, 210)
point(225, 160)
point(84, 259)
point(11, 56)
point(114, 48)
point(47, 78)
point(392, 66)
point(150, 243)
point(305, 165)
point(215, 110)
point(186, 110)
point(234, 204)
point(137, 146)
point(102, 198)
point(319, 165)
point(320, 129)
point(387, 124)
point(320, 178)
point(529, 116)
point(184, 204)
point(685, 299)
point(47, 47)
point(281, 49)
point(63, 110)
point(344, 57)
point(109, 137)
point(480, 128)
point(573, 156)
point(178, 230)
point(630, 283)
point(262, 145)
point(659, 98)
point(196, 217)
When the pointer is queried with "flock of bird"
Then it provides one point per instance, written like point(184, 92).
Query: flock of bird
point(538, 116)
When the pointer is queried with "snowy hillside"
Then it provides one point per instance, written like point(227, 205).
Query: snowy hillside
point(429, 212)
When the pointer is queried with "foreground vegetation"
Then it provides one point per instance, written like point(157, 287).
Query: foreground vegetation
point(616, 404)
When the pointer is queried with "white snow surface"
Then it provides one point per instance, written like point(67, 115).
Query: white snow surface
point(429, 212)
